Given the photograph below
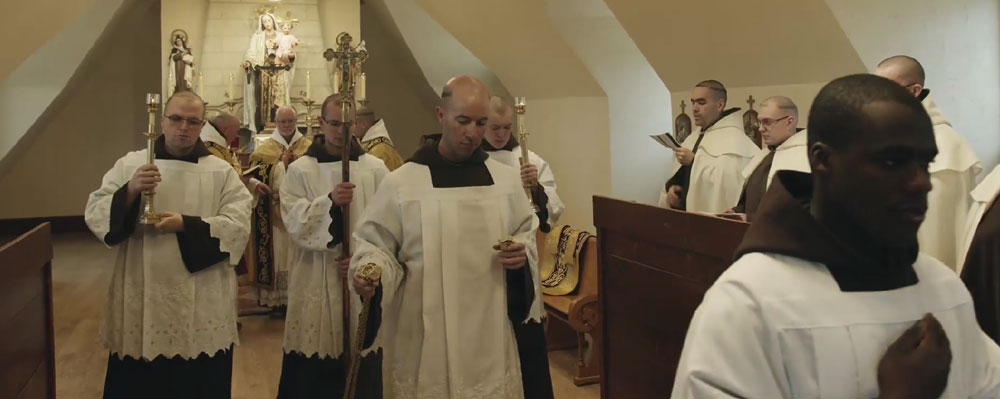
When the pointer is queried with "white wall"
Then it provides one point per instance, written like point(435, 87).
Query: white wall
point(638, 101)
point(957, 41)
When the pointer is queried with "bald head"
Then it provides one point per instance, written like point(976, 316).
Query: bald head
point(464, 87)
point(782, 104)
point(286, 119)
point(227, 125)
point(779, 118)
point(906, 71)
point(463, 114)
point(365, 118)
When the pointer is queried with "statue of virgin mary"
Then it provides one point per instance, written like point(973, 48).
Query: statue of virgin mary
point(261, 52)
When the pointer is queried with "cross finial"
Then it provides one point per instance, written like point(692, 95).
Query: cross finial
point(750, 101)
point(682, 106)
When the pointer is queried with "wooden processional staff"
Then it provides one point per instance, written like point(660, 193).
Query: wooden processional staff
point(349, 83)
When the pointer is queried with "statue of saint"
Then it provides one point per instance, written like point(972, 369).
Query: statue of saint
point(181, 61)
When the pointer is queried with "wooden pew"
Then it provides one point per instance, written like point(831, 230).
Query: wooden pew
point(655, 266)
point(27, 350)
point(572, 317)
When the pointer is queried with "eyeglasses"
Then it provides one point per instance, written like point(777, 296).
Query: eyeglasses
point(177, 120)
point(334, 123)
point(769, 123)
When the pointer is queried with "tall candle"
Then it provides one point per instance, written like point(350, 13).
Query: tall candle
point(309, 91)
point(336, 81)
point(362, 93)
point(201, 84)
point(232, 95)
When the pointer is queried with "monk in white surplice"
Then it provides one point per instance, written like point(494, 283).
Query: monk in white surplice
point(830, 296)
point(707, 177)
point(312, 194)
point(170, 324)
point(448, 230)
point(953, 172)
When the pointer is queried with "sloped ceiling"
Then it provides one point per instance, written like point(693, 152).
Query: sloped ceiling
point(741, 43)
point(516, 40)
point(31, 25)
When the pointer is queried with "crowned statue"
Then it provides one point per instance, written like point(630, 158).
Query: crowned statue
point(267, 66)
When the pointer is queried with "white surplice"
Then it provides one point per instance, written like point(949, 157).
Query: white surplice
point(774, 326)
point(445, 327)
point(793, 154)
point(313, 323)
point(953, 175)
point(281, 242)
point(546, 178)
point(982, 197)
point(716, 178)
point(155, 305)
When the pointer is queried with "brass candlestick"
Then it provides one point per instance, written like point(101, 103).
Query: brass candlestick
point(149, 216)
point(522, 138)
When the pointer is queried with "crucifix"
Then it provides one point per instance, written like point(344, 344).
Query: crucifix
point(749, 101)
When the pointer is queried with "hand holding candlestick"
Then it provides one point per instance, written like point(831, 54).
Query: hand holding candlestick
point(149, 216)
point(522, 138)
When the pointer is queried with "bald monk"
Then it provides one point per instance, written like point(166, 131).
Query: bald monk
point(218, 133)
point(272, 157)
point(786, 150)
point(450, 292)
point(953, 172)
point(707, 176)
point(375, 139)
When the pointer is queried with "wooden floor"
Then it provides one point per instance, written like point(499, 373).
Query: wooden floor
point(81, 272)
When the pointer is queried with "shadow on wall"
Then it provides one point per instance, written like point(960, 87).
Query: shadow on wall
point(397, 89)
point(78, 136)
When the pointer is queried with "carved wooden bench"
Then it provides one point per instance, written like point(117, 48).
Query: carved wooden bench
point(572, 317)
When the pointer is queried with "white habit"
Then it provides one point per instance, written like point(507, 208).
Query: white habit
point(982, 197)
point(953, 175)
point(155, 305)
point(546, 178)
point(716, 178)
point(313, 323)
point(793, 154)
point(774, 326)
point(445, 326)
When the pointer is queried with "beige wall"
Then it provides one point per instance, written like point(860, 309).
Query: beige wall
point(94, 121)
point(397, 89)
point(571, 134)
point(741, 43)
point(31, 24)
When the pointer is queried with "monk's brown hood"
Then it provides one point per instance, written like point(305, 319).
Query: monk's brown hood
point(783, 225)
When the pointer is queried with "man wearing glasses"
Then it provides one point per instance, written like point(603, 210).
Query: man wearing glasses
point(953, 172)
point(786, 150)
point(170, 323)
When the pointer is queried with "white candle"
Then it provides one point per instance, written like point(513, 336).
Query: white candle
point(232, 95)
point(309, 91)
point(362, 93)
point(201, 84)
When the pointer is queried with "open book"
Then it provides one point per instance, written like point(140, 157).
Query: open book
point(666, 140)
